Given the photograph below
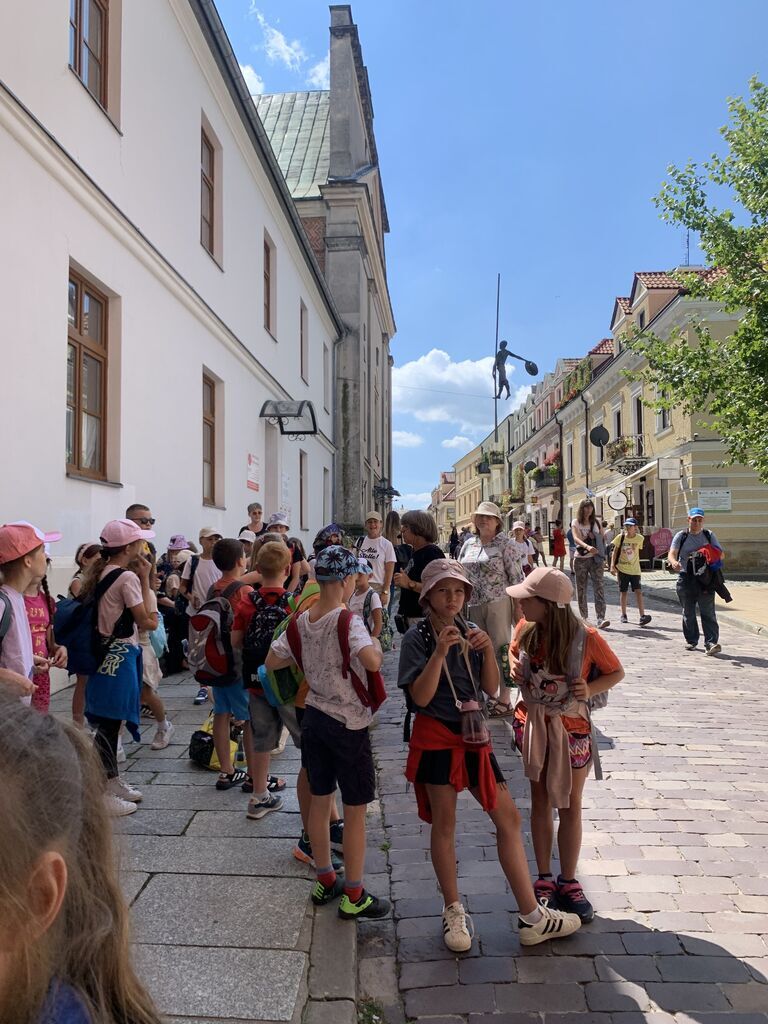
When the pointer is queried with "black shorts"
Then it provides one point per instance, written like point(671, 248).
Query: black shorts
point(335, 755)
point(627, 580)
point(435, 768)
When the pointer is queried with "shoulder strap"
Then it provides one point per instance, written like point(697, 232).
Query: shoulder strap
point(708, 535)
point(193, 564)
point(232, 589)
point(576, 653)
point(294, 640)
point(103, 585)
point(367, 606)
point(6, 614)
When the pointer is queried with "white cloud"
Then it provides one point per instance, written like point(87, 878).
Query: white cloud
point(319, 74)
point(418, 500)
point(436, 389)
point(457, 441)
point(405, 439)
point(253, 80)
point(277, 48)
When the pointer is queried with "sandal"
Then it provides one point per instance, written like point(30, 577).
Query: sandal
point(274, 784)
point(501, 710)
point(226, 781)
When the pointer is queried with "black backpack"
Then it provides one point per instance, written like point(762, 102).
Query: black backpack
point(266, 617)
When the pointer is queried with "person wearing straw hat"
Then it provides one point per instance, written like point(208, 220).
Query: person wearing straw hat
point(492, 563)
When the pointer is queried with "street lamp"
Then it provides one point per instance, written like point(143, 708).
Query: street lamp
point(384, 492)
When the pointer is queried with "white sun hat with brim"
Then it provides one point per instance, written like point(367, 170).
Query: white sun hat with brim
point(487, 508)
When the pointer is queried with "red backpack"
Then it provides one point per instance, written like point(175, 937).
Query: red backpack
point(372, 693)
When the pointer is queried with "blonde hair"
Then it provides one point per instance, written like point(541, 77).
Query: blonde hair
point(87, 946)
point(258, 544)
point(555, 635)
point(273, 558)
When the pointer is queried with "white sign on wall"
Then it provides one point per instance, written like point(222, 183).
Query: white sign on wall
point(669, 469)
point(252, 477)
point(715, 499)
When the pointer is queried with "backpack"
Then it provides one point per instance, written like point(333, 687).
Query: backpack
point(210, 656)
point(284, 685)
point(261, 632)
point(201, 747)
point(6, 616)
point(182, 600)
point(76, 627)
point(372, 693)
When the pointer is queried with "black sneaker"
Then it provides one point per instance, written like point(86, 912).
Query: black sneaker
point(624, 618)
point(202, 696)
point(337, 835)
point(367, 906)
point(225, 781)
point(322, 894)
point(644, 620)
point(303, 851)
point(571, 899)
point(545, 891)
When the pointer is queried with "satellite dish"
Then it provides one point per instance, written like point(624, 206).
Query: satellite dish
point(598, 436)
point(531, 368)
point(529, 466)
point(618, 501)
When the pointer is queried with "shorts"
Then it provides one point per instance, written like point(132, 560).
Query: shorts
point(579, 744)
point(267, 724)
point(231, 700)
point(335, 755)
point(627, 580)
point(435, 768)
point(151, 672)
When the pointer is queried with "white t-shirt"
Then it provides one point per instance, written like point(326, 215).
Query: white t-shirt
point(206, 575)
point(356, 604)
point(329, 691)
point(378, 552)
point(524, 548)
point(16, 651)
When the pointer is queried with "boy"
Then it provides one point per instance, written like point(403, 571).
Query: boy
point(625, 564)
point(335, 745)
point(197, 578)
point(357, 603)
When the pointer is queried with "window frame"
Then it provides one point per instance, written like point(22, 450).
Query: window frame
point(84, 344)
point(209, 420)
point(269, 257)
point(303, 342)
point(208, 182)
point(80, 43)
point(303, 488)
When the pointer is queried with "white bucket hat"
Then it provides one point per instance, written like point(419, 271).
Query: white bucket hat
point(487, 508)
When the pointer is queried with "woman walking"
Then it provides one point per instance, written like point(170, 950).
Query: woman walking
point(589, 560)
point(420, 532)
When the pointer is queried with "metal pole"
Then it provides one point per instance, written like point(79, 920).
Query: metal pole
point(495, 379)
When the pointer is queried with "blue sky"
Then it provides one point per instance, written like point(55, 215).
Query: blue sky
point(525, 139)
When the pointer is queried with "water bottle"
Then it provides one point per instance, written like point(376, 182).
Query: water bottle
point(474, 731)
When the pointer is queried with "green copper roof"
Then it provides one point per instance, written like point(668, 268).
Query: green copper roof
point(297, 125)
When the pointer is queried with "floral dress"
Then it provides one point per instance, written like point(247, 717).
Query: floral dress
point(491, 568)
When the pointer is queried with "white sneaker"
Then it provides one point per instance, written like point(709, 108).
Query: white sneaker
point(121, 758)
point(162, 736)
point(553, 924)
point(456, 934)
point(603, 623)
point(124, 790)
point(117, 807)
point(284, 734)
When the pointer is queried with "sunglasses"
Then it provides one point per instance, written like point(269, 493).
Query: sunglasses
point(145, 522)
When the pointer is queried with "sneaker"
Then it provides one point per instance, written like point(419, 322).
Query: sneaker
point(604, 624)
point(120, 755)
point(553, 924)
point(303, 851)
point(163, 735)
point(322, 894)
point(224, 781)
point(624, 618)
point(691, 647)
point(258, 808)
point(545, 891)
point(713, 649)
point(456, 934)
point(571, 899)
point(202, 696)
point(644, 620)
point(146, 711)
point(284, 734)
point(367, 906)
point(337, 835)
point(123, 790)
point(117, 807)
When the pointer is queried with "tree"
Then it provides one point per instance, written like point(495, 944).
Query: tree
point(726, 380)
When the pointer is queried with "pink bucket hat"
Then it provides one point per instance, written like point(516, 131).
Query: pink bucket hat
point(442, 569)
point(547, 583)
point(178, 542)
point(119, 532)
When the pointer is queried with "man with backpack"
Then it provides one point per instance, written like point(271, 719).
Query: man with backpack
point(198, 576)
point(694, 584)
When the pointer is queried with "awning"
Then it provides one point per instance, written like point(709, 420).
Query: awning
point(617, 485)
point(295, 419)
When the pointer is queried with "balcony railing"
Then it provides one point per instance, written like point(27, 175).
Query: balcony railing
point(497, 458)
point(483, 468)
point(627, 453)
point(546, 479)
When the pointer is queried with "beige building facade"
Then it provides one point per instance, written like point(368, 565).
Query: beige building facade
point(443, 506)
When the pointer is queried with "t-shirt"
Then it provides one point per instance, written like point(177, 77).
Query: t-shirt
point(524, 548)
point(356, 604)
point(258, 533)
point(206, 575)
point(39, 618)
point(409, 599)
point(124, 593)
point(692, 543)
point(587, 535)
point(16, 652)
point(415, 652)
point(491, 567)
point(628, 559)
point(378, 552)
point(329, 691)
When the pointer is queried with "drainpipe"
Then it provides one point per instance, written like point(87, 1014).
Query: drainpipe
point(562, 466)
point(586, 425)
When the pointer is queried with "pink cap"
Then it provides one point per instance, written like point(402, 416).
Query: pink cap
point(442, 569)
point(119, 532)
point(19, 538)
point(548, 584)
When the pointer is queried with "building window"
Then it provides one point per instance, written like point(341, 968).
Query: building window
point(663, 416)
point(569, 459)
point(86, 379)
point(269, 285)
point(304, 342)
point(616, 423)
point(326, 378)
point(584, 453)
point(326, 495)
point(207, 191)
point(88, 45)
point(641, 319)
point(209, 440)
point(303, 490)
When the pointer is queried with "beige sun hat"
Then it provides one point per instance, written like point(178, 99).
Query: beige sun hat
point(487, 508)
point(442, 569)
point(547, 583)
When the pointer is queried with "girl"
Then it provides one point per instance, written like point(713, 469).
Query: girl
point(373, 619)
point(560, 665)
point(151, 672)
point(589, 560)
point(448, 668)
point(40, 610)
point(123, 602)
point(537, 540)
point(524, 547)
point(299, 566)
point(65, 954)
point(558, 544)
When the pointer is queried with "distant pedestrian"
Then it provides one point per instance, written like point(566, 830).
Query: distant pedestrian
point(524, 546)
point(256, 522)
point(537, 540)
point(40, 611)
point(453, 543)
point(589, 560)
point(558, 545)
point(625, 565)
point(609, 534)
point(694, 584)
point(571, 549)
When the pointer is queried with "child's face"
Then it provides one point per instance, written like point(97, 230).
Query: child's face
point(631, 531)
point(208, 544)
point(362, 581)
point(447, 598)
point(38, 563)
point(533, 608)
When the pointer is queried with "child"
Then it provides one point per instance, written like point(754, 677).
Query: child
point(445, 660)
point(197, 578)
point(23, 563)
point(365, 602)
point(558, 544)
point(552, 724)
point(123, 600)
point(85, 556)
point(537, 540)
point(151, 672)
point(299, 565)
point(523, 547)
point(625, 564)
point(40, 610)
point(66, 953)
point(335, 745)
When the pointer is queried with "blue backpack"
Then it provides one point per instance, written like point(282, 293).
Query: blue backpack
point(75, 626)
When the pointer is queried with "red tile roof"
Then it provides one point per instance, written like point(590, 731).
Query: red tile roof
point(625, 303)
point(661, 279)
point(602, 348)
